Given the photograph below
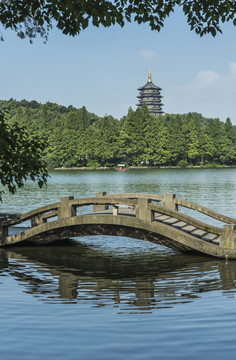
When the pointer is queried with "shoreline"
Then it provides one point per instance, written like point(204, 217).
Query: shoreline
point(146, 167)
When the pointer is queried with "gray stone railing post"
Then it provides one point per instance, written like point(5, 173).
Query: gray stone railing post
point(66, 210)
point(142, 210)
point(169, 202)
point(115, 210)
point(97, 208)
point(38, 220)
point(228, 238)
point(3, 231)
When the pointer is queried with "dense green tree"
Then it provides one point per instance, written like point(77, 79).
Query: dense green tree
point(29, 18)
point(20, 157)
point(135, 128)
point(193, 143)
point(207, 148)
point(124, 146)
point(92, 153)
point(150, 138)
point(216, 131)
point(176, 139)
point(162, 153)
point(55, 150)
point(230, 130)
point(77, 138)
point(129, 137)
point(108, 134)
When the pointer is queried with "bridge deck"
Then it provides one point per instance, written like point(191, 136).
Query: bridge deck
point(148, 217)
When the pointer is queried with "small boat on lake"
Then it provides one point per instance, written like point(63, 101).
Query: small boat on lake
point(121, 167)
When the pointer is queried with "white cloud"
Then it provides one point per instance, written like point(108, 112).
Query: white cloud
point(206, 78)
point(210, 82)
point(233, 69)
point(147, 54)
point(210, 93)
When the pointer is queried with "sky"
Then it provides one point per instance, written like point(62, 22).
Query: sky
point(103, 67)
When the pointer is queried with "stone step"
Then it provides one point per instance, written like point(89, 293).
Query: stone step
point(163, 217)
point(157, 215)
point(171, 220)
point(180, 224)
point(209, 237)
point(198, 232)
point(188, 228)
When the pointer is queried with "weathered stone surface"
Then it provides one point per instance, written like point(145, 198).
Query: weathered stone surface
point(198, 232)
point(138, 218)
point(163, 218)
point(37, 220)
point(66, 209)
point(188, 228)
point(3, 231)
point(209, 236)
point(228, 238)
point(205, 211)
point(157, 215)
point(142, 211)
point(180, 224)
point(97, 208)
point(169, 201)
point(171, 220)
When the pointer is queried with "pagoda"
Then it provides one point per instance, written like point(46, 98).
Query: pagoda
point(150, 94)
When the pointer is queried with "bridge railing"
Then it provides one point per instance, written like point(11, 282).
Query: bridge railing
point(68, 205)
point(170, 201)
point(204, 210)
point(44, 211)
point(63, 209)
point(152, 197)
point(144, 207)
point(185, 218)
point(170, 206)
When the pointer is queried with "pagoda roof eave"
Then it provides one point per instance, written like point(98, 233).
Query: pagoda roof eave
point(149, 85)
point(149, 96)
point(150, 102)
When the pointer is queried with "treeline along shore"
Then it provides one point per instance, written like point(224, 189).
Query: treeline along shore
point(76, 138)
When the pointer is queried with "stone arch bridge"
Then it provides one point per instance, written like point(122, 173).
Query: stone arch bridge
point(152, 218)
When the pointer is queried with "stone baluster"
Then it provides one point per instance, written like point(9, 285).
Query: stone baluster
point(142, 210)
point(3, 231)
point(115, 209)
point(65, 209)
point(98, 208)
point(228, 238)
point(38, 220)
point(169, 202)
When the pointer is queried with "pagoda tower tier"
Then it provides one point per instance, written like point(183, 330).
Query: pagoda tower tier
point(150, 94)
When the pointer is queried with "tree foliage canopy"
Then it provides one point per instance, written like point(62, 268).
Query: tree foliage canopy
point(32, 18)
point(20, 157)
point(77, 138)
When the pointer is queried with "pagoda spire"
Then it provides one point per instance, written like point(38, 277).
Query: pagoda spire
point(149, 75)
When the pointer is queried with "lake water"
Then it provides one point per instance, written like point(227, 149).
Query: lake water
point(118, 298)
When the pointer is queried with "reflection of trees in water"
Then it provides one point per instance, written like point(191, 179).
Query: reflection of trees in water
point(76, 272)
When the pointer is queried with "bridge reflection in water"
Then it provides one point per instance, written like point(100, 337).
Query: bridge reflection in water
point(152, 218)
point(150, 279)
